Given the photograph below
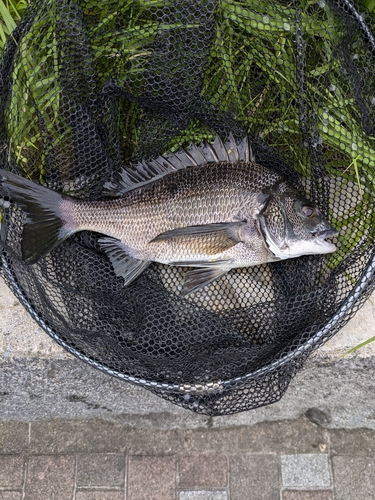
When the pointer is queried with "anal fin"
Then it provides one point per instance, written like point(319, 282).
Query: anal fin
point(123, 264)
point(198, 278)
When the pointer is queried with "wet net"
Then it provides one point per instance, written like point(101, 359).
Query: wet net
point(87, 88)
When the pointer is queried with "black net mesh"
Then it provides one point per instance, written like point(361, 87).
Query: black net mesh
point(87, 87)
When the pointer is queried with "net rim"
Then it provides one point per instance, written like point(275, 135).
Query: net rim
point(210, 387)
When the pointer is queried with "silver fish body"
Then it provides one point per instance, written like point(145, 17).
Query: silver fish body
point(221, 193)
point(212, 208)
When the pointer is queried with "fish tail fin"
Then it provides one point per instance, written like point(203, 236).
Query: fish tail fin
point(48, 220)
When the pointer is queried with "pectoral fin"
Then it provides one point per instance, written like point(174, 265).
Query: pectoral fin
point(209, 238)
point(198, 278)
point(123, 264)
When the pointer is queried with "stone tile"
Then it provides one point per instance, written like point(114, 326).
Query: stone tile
point(254, 476)
point(50, 477)
point(307, 495)
point(151, 478)
point(203, 470)
point(281, 437)
point(270, 437)
point(56, 436)
point(155, 442)
point(305, 471)
point(210, 440)
point(203, 495)
point(80, 436)
point(100, 469)
point(11, 471)
point(353, 442)
point(14, 437)
point(354, 477)
point(99, 495)
point(98, 436)
point(10, 495)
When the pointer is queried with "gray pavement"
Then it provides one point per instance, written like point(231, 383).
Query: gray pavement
point(98, 460)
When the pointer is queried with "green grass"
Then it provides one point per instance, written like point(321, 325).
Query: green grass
point(257, 83)
point(11, 12)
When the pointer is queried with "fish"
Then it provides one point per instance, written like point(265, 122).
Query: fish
point(211, 208)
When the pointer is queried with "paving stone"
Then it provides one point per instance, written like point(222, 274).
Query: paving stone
point(353, 442)
point(98, 436)
point(307, 495)
point(203, 495)
point(99, 495)
point(100, 469)
point(302, 436)
point(11, 471)
point(10, 495)
point(14, 437)
point(80, 436)
point(101, 437)
point(305, 471)
point(354, 477)
point(50, 477)
point(153, 442)
point(56, 436)
point(266, 437)
point(203, 470)
point(254, 476)
point(151, 478)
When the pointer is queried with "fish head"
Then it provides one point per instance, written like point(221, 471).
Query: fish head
point(292, 225)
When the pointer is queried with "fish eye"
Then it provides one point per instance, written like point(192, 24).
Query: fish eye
point(308, 211)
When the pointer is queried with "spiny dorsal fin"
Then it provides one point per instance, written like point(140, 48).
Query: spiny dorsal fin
point(146, 171)
point(244, 151)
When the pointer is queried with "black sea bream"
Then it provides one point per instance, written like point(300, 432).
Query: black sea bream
point(212, 208)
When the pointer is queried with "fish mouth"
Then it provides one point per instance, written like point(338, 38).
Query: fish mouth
point(327, 233)
point(320, 239)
